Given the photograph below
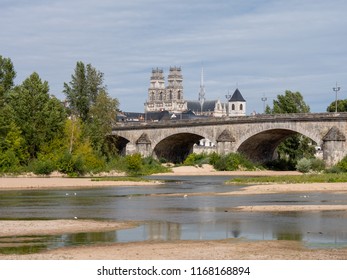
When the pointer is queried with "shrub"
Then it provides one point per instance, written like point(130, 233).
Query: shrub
point(9, 162)
point(230, 162)
point(196, 159)
point(303, 165)
point(133, 164)
point(342, 165)
point(43, 167)
point(71, 165)
point(317, 164)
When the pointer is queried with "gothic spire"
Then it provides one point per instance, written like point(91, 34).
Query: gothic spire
point(202, 88)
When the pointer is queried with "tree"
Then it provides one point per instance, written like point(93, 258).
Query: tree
point(103, 117)
point(89, 101)
point(290, 102)
point(82, 90)
point(341, 106)
point(40, 117)
point(7, 75)
point(297, 146)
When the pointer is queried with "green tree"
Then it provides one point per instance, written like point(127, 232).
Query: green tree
point(12, 149)
point(7, 75)
point(82, 90)
point(297, 146)
point(89, 101)
point(40, 117)
point(341, 106)
point(103, 117)
point(290, 102)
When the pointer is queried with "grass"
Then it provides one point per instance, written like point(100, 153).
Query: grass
point(292, 179)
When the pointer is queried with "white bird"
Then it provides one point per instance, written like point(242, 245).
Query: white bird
point(185, 196)
point(75, 218)
point(66, 194)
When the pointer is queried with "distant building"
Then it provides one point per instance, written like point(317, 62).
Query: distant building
point(170, 98)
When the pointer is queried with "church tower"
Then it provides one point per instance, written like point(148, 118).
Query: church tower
point(156, 91)
point(175, 87)
point(236, 104)
point(170, 98)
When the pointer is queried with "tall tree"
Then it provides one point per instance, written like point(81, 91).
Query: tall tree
point(290, 102)
point(90, 102)
point(297, 146)
point(103, 117)
point(40, 117)
point(82, 90)
point(7, 75)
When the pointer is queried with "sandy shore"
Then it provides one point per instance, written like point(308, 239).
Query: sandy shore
point(21, 183)
point(224, 249)
point(52, 227)
point(208, 170)
point(230, 249)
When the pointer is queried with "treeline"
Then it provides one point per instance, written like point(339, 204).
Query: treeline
point(42, 134)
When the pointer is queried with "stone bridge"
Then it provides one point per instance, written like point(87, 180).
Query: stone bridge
point(255, 136)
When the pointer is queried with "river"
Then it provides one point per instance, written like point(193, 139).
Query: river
point(165, 217)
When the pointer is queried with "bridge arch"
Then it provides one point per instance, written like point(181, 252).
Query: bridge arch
point(121, 144)
point(176, 147)
point(261, 146)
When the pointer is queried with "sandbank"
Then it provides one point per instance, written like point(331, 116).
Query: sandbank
point(52, 227)
point(208, 170)
point(229, 249)
point(22, 183)
point(289, 208)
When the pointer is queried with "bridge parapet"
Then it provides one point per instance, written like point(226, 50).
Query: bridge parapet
point(260, 118)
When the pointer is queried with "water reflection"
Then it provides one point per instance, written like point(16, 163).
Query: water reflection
point(167, 218)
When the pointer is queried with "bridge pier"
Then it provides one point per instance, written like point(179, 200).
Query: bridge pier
point(143, 145)
point(334, 146)
point(225, 142)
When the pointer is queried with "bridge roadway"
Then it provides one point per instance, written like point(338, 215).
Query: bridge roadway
point(255, 136)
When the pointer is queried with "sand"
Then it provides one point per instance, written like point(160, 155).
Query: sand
point(62, 183)
point(53, 227)
point(223, 249)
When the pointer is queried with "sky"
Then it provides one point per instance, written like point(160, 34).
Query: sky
point(263, 47)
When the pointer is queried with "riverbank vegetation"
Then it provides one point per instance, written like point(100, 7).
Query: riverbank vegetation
point(292, 179)
point(228, 162)
point(41, 134)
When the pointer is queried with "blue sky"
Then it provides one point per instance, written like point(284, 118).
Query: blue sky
point(262, 46)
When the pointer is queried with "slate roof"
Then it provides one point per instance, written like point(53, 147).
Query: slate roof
point(207, 106)
point(237, 96)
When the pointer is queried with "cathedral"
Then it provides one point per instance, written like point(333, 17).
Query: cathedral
point(170, 98)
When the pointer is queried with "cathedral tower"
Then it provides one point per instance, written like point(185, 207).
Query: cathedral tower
point(170, 98)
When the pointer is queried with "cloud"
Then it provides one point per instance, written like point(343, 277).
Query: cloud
point(265, 47)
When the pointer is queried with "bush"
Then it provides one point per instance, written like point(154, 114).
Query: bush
point(9, 162)
point(303, 165)
point(317, 164)
point(71, 165)
point(196, 159)
point(133, 164)
point(342, 165)
point(231, 162)
point(43, 167)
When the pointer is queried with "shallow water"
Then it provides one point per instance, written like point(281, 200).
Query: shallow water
point(182, 217)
